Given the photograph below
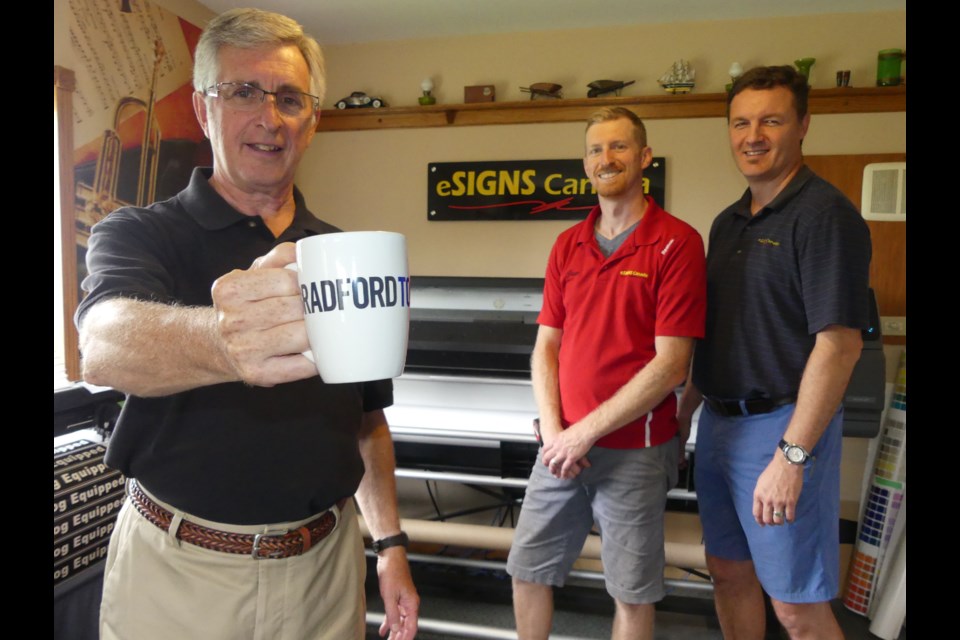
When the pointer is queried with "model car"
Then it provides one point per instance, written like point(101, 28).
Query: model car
point(359, 99)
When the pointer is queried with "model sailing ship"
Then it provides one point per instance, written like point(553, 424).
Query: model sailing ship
point(679, 78)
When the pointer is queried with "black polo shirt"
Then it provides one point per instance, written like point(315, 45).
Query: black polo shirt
point(228, 452)
point(776, 279)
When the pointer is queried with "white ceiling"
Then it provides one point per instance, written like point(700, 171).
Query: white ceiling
point(351, 21)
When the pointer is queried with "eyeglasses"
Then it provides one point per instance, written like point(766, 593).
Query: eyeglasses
point(246, 97)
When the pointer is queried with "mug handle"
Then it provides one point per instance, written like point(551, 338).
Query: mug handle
point(308, 354)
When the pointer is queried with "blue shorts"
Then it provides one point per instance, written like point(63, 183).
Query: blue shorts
point(796, 562)
point(625, 492)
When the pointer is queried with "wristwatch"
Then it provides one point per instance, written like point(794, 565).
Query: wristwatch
point(794, 453)
point(399, 540)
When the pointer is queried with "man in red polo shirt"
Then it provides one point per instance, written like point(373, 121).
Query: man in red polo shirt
point(624, 299)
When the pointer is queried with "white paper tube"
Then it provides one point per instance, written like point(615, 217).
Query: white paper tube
point(682, 547)
point(891, 609)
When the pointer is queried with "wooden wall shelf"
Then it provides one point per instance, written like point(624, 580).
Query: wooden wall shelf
point(695, 105)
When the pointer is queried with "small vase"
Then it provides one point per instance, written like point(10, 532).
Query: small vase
point(803, 66)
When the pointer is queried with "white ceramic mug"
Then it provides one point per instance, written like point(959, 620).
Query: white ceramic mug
point(355, 288)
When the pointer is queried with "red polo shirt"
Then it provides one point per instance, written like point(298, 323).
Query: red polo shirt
point(611, 309)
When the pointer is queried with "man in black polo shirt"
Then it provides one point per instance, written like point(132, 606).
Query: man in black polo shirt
point(240, 521)
point(787, 273)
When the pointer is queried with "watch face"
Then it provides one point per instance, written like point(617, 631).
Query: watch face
point(795, 454)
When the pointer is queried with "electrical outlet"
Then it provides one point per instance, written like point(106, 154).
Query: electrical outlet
point(893, 325)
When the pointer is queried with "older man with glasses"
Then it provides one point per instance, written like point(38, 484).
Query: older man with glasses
point(239, 521)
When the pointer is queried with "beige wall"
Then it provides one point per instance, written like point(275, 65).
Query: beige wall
point(637, 52)
point(377, 179)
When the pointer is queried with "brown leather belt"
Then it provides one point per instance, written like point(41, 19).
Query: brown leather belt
point(260, 546)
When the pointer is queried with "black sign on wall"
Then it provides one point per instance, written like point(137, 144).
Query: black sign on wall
point(520, 189)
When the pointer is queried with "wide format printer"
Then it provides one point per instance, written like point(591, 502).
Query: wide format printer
point(465, 402)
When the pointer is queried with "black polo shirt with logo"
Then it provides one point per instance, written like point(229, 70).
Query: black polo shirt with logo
point(774, 280)
point(227, 452)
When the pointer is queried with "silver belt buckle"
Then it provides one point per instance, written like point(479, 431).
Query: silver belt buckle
point(255, 552)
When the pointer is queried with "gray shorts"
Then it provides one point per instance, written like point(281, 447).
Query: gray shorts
point(625, 492)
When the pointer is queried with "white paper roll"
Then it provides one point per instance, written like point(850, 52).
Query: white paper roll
point(679, 553)
point(891, 607)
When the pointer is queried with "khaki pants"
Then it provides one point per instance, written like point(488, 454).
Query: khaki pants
point(155, 587)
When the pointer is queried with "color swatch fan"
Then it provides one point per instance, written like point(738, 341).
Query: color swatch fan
point(883, 501)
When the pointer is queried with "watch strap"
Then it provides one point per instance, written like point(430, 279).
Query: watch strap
point(399, 540)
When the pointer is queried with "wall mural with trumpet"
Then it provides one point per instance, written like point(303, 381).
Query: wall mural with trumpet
point(136, 139)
